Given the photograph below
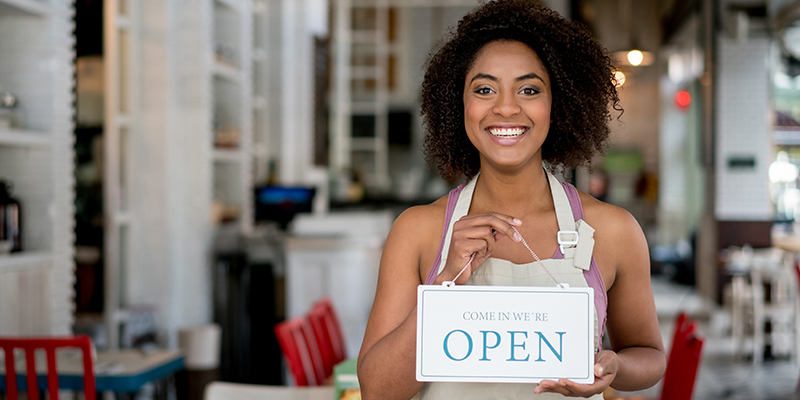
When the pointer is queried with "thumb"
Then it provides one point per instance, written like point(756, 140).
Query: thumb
point(604, 365)
point(599, 370)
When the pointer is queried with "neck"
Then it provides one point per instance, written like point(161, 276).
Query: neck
point(517, 194)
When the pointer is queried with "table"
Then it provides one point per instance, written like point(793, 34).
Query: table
point(239, 391)
point(120, 371)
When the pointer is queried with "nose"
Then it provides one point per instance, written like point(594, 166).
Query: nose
point(506, 104)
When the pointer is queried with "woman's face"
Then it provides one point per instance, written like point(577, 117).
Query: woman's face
point(507, 99)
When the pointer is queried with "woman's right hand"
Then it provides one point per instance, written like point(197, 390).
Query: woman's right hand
point(476, 234)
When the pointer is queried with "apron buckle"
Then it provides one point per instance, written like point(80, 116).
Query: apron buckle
point(567, 241)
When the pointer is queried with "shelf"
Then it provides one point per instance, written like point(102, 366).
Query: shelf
point(367, 37)
point(24, 7)
point(122, 218)
point(367, 107)
point(364, 144)
point(259, 102)
point(232, 4)
point(365, 72)
point(786, 136)
point(23, 138)
point(414, 3)
point(226, 71)
point(23, 260)
point(227, 155)
point(124, 121)
point(259, 54)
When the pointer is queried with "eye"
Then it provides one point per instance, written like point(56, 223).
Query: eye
point(529, 91)
point(483, 90)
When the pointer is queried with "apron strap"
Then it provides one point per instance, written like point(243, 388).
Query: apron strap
point(566, 221)
point(582, 252)
point(575, 238)
point(461, 209)
point(568, 236)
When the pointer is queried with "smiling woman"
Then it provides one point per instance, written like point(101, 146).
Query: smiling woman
point(515, 93)
point(507, 104)
point(583, 91)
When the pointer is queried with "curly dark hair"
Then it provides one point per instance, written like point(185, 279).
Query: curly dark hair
point(581, 75)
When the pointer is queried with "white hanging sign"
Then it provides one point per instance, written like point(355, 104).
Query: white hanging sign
point(504, 334)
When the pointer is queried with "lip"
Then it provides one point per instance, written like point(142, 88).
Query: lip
point(506, 134)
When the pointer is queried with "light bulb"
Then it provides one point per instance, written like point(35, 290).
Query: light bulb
point(619, 78)
point(635, 57)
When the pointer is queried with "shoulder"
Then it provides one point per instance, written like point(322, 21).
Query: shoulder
point(416, 232)
point(421, 218)
point(620, 245)
point(609, 218)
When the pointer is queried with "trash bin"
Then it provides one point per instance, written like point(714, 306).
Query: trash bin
point(201, 350)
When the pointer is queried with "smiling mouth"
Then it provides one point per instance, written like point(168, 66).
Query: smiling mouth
point(507, 132)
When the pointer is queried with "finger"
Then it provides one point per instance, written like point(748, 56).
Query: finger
point(549, 386)
point(544, 386)
point(605, 363)
point(569, 388)
point(600, 370)
point(580, 388)
point(481, 232)
point(503, 224)
point(473, 239)
point(466, 248)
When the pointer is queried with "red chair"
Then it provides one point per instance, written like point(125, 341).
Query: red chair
point(49, 344)
point(328, 334)
point(684, 358)
point(299, 346)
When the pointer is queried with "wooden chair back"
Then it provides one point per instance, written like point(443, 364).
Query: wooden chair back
point(50, 345)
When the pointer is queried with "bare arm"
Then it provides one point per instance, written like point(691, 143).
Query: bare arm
point(387, 361)
point(636, 359)
point(632, 321)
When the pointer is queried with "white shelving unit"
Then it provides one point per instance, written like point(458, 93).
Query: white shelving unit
point(260, 88)
point(23, 260)
point(25, 8)
point(121, 25)
point(360, 89)
point(371, 56)
point(24, 139)
point(172, 79)
point(36, 154)
point(231, 54)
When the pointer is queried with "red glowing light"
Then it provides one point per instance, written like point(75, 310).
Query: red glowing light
point(683, 99)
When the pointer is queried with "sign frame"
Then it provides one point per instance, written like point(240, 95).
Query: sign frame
point(435, 301)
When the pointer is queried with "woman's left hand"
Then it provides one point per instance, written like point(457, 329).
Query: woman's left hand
point(605, 370)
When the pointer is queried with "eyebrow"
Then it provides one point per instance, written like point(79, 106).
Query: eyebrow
point(493, 78)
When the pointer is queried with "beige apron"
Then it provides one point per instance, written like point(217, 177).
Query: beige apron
point(497, 272)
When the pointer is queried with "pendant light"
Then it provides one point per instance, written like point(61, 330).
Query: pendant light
point(633, 57)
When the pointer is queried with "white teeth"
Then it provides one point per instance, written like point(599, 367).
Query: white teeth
point(507, 132)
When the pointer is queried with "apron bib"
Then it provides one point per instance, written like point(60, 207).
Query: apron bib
point(497, 272)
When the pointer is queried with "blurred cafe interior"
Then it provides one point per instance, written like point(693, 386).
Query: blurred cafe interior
point(186, 177)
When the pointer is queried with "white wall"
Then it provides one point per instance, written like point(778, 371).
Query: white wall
point(37, 65)
point(681, 183)
point(301, 21)
point(171, 190)
point(742, 128)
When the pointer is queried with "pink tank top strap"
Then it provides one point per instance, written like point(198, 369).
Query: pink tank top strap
point(574, 200)
point(592, 275)
point(452, 198)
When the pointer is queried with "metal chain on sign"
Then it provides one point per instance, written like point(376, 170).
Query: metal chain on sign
point(522, 239)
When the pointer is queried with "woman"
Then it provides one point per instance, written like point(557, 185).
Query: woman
point(514, 89)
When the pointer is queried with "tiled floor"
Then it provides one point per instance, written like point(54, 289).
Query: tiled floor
point(721, 375)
